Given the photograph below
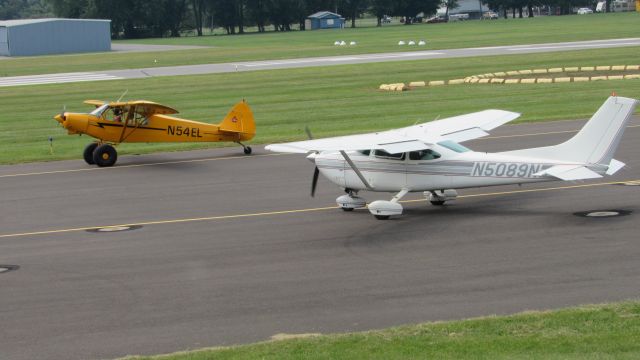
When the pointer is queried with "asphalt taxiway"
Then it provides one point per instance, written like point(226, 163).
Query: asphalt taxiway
point(228, 249)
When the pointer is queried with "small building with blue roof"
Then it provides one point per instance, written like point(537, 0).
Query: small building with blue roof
point(324, 20)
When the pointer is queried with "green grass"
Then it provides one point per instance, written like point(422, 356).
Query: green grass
point(330, 100)
point(320, 43)
point(610, 331)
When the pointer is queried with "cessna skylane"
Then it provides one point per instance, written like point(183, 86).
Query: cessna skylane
point(429, 157)
point(145, 121)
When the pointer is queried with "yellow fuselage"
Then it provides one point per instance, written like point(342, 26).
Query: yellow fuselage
point(158, 128)
point(142, 121)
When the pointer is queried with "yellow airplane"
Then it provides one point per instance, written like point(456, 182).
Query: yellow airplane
point(145, 121)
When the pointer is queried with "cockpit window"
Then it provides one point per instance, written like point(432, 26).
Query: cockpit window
point(426, 154)
point(98, 111)
point(454, 146)
point(385, 155)
point(140, 117)
point(364, 152)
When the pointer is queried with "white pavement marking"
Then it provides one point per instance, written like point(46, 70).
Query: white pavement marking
point(341, 58)
point(55, 78)
point(564, 46)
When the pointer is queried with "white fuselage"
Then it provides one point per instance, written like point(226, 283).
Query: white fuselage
point(452, 170)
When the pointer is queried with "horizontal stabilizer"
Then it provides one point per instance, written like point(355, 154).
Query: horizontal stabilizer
point(569, 172)
point(614, 166)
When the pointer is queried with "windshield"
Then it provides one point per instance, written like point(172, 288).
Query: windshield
point(98, 112)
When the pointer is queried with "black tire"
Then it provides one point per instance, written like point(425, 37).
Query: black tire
point(347, 209)
point(105, 155)
point(437, 203)
point(88, 153)
point(382, 217)
point(247, 150)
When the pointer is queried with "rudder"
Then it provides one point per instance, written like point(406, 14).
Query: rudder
point(239, 120)
point(598, 139)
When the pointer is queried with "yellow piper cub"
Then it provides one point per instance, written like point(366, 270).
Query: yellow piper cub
point(145, 121)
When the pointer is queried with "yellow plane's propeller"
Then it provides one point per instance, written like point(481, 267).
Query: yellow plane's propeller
point(64, 110)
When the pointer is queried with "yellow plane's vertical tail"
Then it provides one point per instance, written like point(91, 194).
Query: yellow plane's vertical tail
point(240, 120)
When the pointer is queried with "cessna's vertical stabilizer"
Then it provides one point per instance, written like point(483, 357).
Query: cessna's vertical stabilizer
point(429, 158)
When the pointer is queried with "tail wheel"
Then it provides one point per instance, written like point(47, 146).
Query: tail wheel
point(105, 155)
point(247, 150)
point(88, 153)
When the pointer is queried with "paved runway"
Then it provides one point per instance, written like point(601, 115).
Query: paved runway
point(233, 250)
point(317, 61)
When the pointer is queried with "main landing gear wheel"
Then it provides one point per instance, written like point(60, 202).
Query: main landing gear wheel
point(437, 202)
point(347, 209)
point(88, 153)
point(247, 150)
point(105, 155)
point(382, 217)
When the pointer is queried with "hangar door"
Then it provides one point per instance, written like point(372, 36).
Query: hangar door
point(4, 44)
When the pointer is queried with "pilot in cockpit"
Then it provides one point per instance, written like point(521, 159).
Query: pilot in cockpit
point(117, 115)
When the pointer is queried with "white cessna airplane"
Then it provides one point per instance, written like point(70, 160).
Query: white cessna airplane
point(429, 158)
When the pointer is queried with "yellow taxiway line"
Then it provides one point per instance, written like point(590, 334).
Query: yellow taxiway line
point(296, 211)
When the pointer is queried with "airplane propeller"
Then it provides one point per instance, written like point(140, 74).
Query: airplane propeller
point(316, 172)
point(309, 135)
point(314, 182)
point(64, 110)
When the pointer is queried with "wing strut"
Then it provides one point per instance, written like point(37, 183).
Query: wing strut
point(355, 169)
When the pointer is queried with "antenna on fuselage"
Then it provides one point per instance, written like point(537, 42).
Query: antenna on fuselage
point(123, 94)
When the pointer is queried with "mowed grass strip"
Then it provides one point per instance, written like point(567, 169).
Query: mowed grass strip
point(544, 29)
point(333, 100)
point(610, 331)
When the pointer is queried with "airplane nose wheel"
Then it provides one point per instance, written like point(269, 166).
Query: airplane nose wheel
point(105, 155)
point(88, 153)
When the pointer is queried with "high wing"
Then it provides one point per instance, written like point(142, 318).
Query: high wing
point(149, 107)
point(96, 103)
point(146, 107)
point(418, 137)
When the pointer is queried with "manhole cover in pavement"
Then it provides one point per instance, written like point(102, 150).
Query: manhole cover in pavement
point(108, 229)
point(602, 213)
point(7, 268)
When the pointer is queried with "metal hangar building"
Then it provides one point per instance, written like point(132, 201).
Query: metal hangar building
point(31, 37)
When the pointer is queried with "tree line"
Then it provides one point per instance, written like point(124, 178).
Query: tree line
point(161, 18)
